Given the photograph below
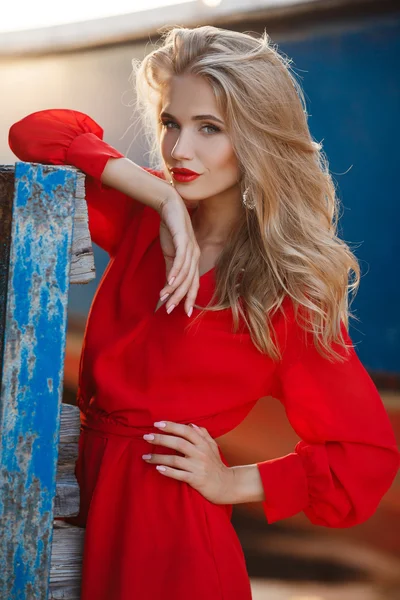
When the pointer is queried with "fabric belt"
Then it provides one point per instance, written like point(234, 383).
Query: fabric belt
point(111, 427)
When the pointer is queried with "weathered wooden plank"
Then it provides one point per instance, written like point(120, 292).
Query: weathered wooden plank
point(70, 424)
point(67, 455)
point(82, 261)
point(66, 561)
point(30, 399)
point(6, 198)
point(68, 540)
point(66, 501)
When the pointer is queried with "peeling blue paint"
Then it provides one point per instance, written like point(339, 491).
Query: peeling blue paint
point(31, 393)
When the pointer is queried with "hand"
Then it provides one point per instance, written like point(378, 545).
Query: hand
point(181, 253)
point(201, 466)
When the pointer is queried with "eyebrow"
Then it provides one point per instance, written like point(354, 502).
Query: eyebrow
point(196, 118)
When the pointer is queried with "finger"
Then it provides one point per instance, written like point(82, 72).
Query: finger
point(178, 462)
point(182, 284)
point(174, 473)
point(192, 254)
point(192, 293)
point(182, 290)
point(206, 435)
point(200, 430)
point(169, 288)
point(179, 260)
point(203, 432)
point(178, 429)
point(170, 441)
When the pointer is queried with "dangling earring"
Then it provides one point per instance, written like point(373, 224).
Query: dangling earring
point(247, 203)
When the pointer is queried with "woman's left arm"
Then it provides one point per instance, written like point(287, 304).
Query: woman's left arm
point(347, 457)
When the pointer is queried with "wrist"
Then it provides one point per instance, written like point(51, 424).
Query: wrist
point(133, 180)
point(247, 484)
point(167, 200)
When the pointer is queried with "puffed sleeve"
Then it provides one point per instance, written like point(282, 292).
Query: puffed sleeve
point(64, 136)
point(347, 457)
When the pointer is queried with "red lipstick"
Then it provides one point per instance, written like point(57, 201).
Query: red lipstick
point(184, 175)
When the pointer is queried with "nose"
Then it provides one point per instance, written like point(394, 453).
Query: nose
point(183, 148)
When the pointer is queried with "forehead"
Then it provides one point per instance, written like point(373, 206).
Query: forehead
point(190, 94)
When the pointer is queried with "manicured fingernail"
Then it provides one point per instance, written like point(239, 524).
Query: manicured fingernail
point(171, 308)
point(196, 426)
point(148, 436)
point(164, 297)
point(160, 468)
point(171, 281)
point(146, 456)
point(189, 314)
point(160, 424)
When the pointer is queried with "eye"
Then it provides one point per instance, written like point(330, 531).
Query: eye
point(166, 123)
point(211, 128)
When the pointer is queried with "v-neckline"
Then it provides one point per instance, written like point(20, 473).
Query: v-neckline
point(200, 281)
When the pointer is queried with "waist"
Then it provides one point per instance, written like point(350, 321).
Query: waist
point(111, 427)
point(104, 423)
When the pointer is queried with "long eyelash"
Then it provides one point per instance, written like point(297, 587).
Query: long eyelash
point(214, 127)
point(166, 122)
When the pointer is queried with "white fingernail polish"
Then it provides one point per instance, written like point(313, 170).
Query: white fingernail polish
point(190, 311)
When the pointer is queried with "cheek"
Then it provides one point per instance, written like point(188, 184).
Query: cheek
point(222, 161)
point(165, 147)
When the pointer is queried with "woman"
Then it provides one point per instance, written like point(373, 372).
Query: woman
point(226, 286)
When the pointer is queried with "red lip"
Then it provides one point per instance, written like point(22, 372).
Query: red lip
point(183, 178)
point(184, 172)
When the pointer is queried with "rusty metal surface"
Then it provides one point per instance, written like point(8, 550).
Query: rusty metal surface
point(31, 392)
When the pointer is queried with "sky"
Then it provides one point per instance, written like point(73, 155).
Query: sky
point(25, 14)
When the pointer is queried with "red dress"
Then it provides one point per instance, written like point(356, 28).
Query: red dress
point(150, 536)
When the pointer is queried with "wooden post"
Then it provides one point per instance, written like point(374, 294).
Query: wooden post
point(36, 267)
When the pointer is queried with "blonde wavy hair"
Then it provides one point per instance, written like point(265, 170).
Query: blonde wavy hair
point(288, 244)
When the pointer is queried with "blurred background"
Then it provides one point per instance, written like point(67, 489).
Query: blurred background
point(346, 53)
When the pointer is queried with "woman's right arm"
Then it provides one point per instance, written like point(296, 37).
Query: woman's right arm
point(116, 189)
point(63, 136)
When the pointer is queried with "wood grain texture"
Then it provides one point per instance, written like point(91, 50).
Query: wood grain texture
point(66, 561)
point(82, 260)
point(6, 200)
point(66, 501)
point(68, 540)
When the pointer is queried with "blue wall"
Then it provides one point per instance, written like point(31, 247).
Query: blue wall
point(352, 87)
point(350, 76)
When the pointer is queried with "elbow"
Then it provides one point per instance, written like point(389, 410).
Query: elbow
point(14, 139)
point(19, 141)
